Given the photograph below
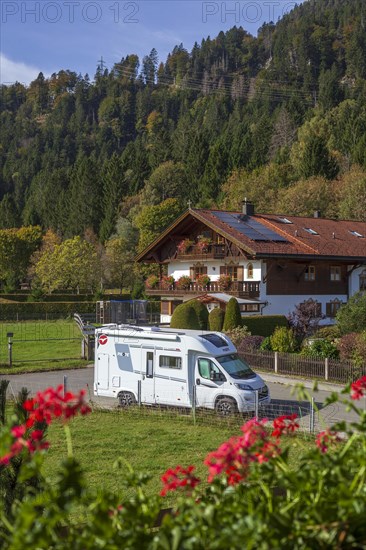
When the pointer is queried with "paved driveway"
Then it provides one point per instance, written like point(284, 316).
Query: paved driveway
point(284, 400)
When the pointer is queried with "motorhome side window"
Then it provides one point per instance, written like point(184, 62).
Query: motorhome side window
point(170, 362)
point(149, 364)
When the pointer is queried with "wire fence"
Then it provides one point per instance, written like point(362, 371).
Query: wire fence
point(292, 364)
point(312, 414)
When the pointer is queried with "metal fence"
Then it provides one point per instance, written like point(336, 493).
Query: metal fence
point(291, 364)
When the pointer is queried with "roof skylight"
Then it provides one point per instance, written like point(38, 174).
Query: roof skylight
point(357, 234)
point(311, 231)
point(284, 220)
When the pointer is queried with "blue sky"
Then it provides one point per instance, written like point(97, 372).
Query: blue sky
point(50, 35)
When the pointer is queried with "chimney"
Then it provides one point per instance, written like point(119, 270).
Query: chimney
point(247, 208)
point(317, 214)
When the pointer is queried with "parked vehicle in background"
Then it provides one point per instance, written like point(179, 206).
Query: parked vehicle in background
point(174, 368)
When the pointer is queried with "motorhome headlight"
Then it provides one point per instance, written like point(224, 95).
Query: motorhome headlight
point(243, 387)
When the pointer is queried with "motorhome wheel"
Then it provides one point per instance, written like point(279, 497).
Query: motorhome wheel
point(226, 406)
point(126, 399)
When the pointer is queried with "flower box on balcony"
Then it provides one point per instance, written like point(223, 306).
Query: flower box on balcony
point(184, 246)
point(168, 282)
point(203, 280)
point(152, 282)
point(224, 282)
point(183, 282)
point(203, 243)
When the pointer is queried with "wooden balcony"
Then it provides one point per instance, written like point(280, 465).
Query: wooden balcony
point(211, 252)
point(239, 289)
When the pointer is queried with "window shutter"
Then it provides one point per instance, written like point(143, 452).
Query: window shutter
point(240, 273)
point(191, 273)
point(222, 270)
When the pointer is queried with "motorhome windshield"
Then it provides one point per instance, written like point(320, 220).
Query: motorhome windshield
point(235, 367)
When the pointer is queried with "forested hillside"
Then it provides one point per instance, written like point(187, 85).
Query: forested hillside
point(279, 118)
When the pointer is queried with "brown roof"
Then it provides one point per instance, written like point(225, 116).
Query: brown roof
point(332, 238)
point(276, 235)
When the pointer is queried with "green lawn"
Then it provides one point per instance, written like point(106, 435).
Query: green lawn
point(151, 441)
point(41, 345)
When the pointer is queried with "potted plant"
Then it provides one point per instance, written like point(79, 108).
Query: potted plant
point(184, 246)
point(183, 282)
point(203, 280)
point(224, 282)
point(168, 282)
point(203, 243)
point(152, 281)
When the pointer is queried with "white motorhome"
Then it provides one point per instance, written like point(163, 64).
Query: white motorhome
point(162, 366)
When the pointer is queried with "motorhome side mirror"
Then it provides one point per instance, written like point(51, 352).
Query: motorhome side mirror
point(198, 381)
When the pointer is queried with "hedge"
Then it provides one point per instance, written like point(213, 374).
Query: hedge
point(62, 297)
point(184, 316)
point(201, 312)
point(34, 310)
point(216, 319)
point(264, 325)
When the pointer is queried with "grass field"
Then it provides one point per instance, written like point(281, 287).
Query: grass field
point(41, 345)
point(150, 441)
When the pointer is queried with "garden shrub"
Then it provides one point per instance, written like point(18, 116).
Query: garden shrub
point(216, 319)
point(352, 347)
point(232, 317)
point(320, 348)
point(330, 333)
point(251, 343)
point(266, 344)
point(264, 325)
point(237, 335)
point(352, 316)
point(201, 312)
point(284, 340)
point(185, 316)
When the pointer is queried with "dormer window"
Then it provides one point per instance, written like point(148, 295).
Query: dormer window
point(284, 220)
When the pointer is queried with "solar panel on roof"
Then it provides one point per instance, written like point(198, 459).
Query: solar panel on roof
point(234, 222)
point(268, 233)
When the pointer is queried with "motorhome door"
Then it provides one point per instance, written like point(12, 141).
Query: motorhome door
point(208, 379)
point(102, 378)
point(148, 377)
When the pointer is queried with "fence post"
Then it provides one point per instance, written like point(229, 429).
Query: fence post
point(326, 365)
point(65, 384)
point(10, 348)
point(276, 362)
point(256, 403)
point(194, 403)
point(139, 393)
point(312, 416)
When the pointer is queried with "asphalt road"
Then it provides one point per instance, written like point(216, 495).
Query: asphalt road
point(283, 394)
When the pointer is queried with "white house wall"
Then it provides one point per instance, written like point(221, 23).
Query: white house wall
point(178, 269)
point(354, 280)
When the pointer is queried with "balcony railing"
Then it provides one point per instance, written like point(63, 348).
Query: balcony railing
point(240, 289)
point(211, 251)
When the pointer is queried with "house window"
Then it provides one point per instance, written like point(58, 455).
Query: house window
point(170, 362)
point(363, 280)
point(231, 270)
point(333, 307)
point(197, 270)
point(335, 273)
point(249, 307)
point(250, 271)
point(309, 273)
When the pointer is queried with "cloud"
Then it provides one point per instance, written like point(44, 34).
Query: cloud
point(16, 71)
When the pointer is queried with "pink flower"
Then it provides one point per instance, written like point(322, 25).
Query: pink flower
point(179, 477)
point(18, 431)
point(284, 425)
point(358, 388)
point(326, 439)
